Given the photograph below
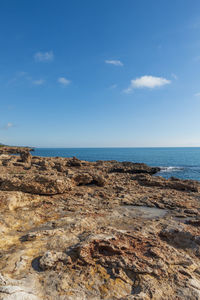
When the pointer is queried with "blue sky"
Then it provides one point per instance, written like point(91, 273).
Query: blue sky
point(109, 73)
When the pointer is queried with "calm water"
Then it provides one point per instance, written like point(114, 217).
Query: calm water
point(178, 162)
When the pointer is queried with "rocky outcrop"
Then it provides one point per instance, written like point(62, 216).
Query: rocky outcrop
point(26, 157)
point(181, 236)
point(133, 168)
point(14, 150)
point(12, 200)
point(74, 162)
point(50, 260)
point(172, 183)
point(89, 179)
point(77, 230)
point(35, 184)
point(24, 153)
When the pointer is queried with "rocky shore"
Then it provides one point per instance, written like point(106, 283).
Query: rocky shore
point(74, 229)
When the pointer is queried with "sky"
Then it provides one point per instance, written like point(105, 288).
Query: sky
point(109, 73)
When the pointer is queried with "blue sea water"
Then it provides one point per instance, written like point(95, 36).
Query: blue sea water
point(178, 162)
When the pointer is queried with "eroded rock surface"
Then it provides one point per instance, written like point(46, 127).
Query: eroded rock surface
point(74, 229)
point(35, 184)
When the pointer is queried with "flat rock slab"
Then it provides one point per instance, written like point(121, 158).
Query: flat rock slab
point(141, 211)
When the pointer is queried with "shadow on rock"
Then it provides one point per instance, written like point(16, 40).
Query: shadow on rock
point(36, 264)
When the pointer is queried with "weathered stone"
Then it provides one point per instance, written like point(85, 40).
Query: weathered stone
point(17, 289)
point(13, 200)
point(73, 230)
point(133, 168)
point(172, 183)
point(180, 236)
point(89, 178)
point(50, 259)
point(74, 162)
point(26, 157)
point(36, 184)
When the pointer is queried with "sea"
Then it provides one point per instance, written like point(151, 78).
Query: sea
point(182, 163)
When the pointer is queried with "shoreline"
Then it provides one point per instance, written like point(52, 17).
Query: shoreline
point(73, 229)
point(183, 163)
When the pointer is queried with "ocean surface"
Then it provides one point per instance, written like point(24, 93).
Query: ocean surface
point(178, 162)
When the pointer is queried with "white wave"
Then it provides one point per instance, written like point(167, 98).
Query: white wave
point(171, 169)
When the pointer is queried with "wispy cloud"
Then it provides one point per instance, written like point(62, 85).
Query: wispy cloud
point(38, 82)
point(146, 81)
point(44, 56)
point(197, 94)
point(18, 76)
point(7, 126)
point(64, 81)
point(24, 77)
point(21, 74)
point(114, 62)
point(113, 86)
point(174, 76)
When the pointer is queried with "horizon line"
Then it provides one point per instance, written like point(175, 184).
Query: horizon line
point(110, 147)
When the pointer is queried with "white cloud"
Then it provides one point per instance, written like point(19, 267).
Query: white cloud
point(197, 95)
point(114, 62)
point(38, 82)
point(64, 81)
point(146, 81)
point(7, 126)
point(44, 56)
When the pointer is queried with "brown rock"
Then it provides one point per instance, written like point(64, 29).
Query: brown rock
point(89, 178)
point(87, 230)
point(172, 183)
point(36, 184)
point(26, 157)
point(180, 235)
point(133, 168)
point(51, 259)
point(74, 162)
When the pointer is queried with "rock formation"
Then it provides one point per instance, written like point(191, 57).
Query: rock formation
point(74, 229)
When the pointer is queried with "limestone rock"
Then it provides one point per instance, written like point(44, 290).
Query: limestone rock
point(50, 259)
point(77, 230)
point(17, 290)
point(36, 184)
point(181, 236)
point(13, 200)
point(89, 178)
point(26, 157)
point(74, 162)
point(133, 168)
point(172, 183)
